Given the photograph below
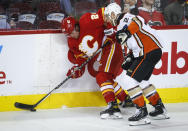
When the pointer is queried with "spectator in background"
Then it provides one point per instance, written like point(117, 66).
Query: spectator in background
point(176, 13)
point(139, 3)
point(150, 15)
point(130, 6)
point(119, 2)
point(161, 4)
point(66, 5)
point(13, 21)
point(158, 4)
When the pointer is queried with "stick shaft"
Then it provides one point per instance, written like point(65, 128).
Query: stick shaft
point(66, 79)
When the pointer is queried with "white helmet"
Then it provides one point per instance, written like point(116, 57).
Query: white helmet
point(112, 7)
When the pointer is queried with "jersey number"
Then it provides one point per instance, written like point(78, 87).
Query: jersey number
point(94, 16)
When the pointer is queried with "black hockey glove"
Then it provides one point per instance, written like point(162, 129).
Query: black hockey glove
point(122, 36)
point(128, 60)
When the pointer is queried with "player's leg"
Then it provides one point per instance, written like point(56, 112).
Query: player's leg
point(112, 59)
point(149, 90)
point(125, 100)
point(141, 113)
point(105, 82)
point(154, 99)
point(137, 72)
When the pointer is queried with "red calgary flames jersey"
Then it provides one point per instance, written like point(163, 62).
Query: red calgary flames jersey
point(90, 39)
point(91, 32)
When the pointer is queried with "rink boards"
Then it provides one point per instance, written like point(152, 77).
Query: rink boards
point(34, 63)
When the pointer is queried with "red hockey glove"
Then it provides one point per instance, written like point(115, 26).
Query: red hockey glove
point(76, 72)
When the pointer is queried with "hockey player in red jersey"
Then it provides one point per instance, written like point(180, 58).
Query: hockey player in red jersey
point(145, 45)
point(86, 37)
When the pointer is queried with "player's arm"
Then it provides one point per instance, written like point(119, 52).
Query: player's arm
point(77, 58)
point(135, 25)
point(128, 30)
point(128, 60)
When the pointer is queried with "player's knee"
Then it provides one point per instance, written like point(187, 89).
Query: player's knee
point(135, 92)
point(149, 90)
point(144, 83)
point(103, 77)
point(130, 83)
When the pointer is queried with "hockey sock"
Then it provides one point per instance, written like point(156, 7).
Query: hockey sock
point(137, 96)
point(139, 101)
point(151, 94)
point(108, 91)
point(153, 99)
point(119, 92)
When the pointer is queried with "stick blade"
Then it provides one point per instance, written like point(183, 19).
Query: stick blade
point(24, 106)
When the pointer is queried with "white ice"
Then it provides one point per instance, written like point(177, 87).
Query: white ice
point(87, 119)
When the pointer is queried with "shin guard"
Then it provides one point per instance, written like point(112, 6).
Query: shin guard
point(108, 91)
point(151, 94)
point(119, 92)
point(137, 96)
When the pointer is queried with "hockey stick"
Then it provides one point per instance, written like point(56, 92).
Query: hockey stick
point(32, 107)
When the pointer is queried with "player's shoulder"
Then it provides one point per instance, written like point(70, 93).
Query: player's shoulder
point(125, 18)
point(92, 19)
point(85, 18)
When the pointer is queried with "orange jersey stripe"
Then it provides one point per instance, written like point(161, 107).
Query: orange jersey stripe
point(133, 27)
point(137, 68)
point(143, 38)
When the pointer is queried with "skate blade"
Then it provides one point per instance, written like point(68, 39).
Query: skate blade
point(116, 115)
point(144, 121)
point(160, 117)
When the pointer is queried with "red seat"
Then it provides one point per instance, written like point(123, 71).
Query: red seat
point(50, 24)
point(23, 7)
point(48, 7)
point(24, 25)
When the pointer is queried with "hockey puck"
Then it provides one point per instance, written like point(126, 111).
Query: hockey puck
point(33, 110)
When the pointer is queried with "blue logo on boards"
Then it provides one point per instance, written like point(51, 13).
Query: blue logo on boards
point(1, 47)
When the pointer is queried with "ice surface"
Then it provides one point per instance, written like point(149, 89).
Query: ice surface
point(87, 119)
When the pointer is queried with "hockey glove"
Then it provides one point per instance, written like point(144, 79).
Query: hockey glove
point(76, 73)
point(122, 36)
point(128, 60)
point(109, 32)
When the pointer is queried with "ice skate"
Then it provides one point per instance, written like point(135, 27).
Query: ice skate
point(112, 112)
point(140, 117)
point(127, 102)
point(159, 112)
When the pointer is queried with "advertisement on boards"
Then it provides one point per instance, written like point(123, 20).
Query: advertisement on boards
point(36, 63)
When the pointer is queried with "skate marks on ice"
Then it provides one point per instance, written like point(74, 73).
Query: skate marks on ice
point(88, 119)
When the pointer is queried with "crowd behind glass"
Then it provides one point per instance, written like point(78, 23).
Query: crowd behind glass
point(48, 14)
